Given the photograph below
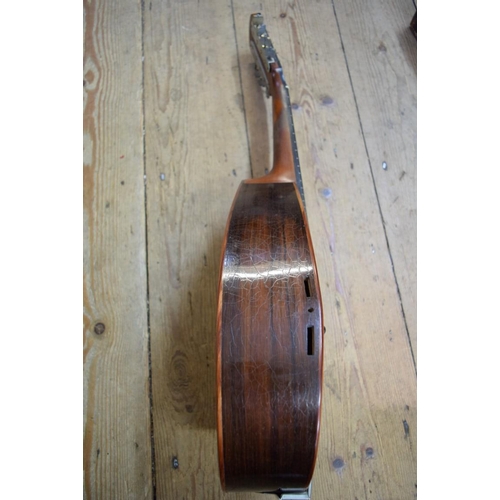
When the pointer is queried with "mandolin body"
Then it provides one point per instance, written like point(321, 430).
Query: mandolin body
point(269, 343)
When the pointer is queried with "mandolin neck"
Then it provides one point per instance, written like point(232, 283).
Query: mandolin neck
point(283, 142)
point(286, 167)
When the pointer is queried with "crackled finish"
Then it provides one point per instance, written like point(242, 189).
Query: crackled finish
point(269, 344)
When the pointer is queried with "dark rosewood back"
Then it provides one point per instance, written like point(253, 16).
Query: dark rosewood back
point(269, 331)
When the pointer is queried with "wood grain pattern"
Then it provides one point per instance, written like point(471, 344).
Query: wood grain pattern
point(283, 166)
point(368, 429)
point(382, 56)
point(117, 453)
point(196, 155)
point(270, 343)
point(205, 118)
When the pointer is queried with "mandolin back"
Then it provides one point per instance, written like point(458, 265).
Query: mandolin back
point(269, 343)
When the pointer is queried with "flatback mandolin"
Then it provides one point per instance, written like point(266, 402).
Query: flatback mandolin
point(269, 319)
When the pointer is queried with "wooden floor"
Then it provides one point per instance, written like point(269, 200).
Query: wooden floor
point(173, 121)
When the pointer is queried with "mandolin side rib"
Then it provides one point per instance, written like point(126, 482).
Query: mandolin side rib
point(269, 343)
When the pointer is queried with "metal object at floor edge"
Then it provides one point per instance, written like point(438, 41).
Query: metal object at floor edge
point(292, 494)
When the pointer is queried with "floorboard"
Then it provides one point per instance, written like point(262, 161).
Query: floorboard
point(174, 120)
point(116, 438)
point(381, 55)
point(196, 156)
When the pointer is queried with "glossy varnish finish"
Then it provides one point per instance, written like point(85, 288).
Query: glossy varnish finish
point(283, 169)
point(270, 343)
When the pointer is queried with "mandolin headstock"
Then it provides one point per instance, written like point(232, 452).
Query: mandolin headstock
point(263, 51)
